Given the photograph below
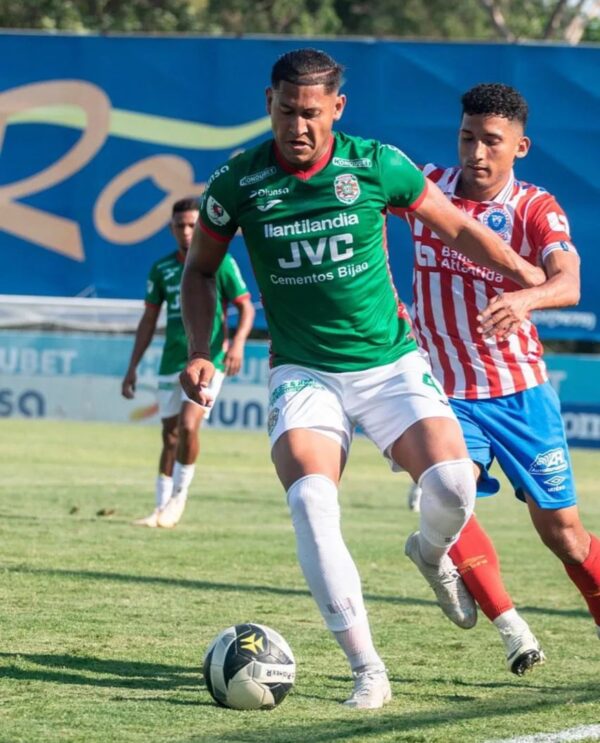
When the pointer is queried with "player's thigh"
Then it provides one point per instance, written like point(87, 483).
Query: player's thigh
point(309, 430)
point(169, 396)
point(300, 452)
point(405, 412)
point(191, 416)
point(428, 441)
point(478, 444)
point(529, 442)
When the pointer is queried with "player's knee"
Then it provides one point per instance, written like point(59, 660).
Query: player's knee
point(313, 500)
point(448, 497)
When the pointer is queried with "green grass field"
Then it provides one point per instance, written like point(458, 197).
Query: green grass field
point(103, 626)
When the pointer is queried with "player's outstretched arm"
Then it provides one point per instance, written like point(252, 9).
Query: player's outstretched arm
point(473, 239)
point(143, 337)
point(505, 312)
point(198, 305)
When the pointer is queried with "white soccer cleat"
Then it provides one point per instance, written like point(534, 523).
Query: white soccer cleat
point(150, 521)
point(453, 597)
point(169, 516)
point(414, 498)
point(523, 651)
point(371, 690)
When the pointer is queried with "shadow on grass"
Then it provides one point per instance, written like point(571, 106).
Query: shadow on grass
point(202, 585)
point(197, 585)
point(74, 669)
point(349, 725)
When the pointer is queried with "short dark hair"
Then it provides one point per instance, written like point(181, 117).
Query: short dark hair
point(308, 67)
point(189, 204)
point(495, 99)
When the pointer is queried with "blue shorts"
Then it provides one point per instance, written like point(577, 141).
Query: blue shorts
point(524, 432)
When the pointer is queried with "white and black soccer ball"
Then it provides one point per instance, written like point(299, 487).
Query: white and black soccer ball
point(249, 666)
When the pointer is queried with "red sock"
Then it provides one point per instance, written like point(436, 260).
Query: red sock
point(477, 562)
point(587, 578)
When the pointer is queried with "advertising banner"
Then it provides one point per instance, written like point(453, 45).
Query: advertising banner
point(99, 135)
point(78, 377)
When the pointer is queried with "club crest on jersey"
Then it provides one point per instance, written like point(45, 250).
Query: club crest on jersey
point(216, 213)
point(346, 188)
point(498, 220)
point(549, 462)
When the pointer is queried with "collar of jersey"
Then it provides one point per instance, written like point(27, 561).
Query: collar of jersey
point(501, 198)
point(304, 175)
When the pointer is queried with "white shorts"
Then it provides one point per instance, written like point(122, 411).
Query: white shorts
point(171, 395)
point(384, 401)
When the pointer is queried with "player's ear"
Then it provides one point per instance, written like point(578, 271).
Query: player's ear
point(523, 146)
point(340, 104)
point(269, 97)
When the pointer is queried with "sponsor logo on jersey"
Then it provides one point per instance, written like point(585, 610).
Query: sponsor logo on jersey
point(262, 192)
point(249, 180)
point(549, 462)
point(217, 173)
point(268, 205)
point(216, 213)
point(306, 226)
point(346, 188)
point(498, 220)
point(362, 162)
point(558, 222)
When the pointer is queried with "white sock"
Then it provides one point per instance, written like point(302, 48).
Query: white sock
point(163, 490)
point(183, 474)
point(357, 643)
point(510, 622)
point(328, 568)
point(447, 502)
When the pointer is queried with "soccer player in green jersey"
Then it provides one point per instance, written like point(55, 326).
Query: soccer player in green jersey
point(181, 418)
point(312, 206)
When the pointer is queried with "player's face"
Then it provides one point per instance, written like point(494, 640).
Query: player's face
point(487, 148)
point(302, 119)
point(182, 227)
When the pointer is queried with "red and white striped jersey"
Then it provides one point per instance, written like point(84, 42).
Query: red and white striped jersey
point(450, 290)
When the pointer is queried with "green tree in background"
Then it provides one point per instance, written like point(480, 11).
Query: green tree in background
point(570, 21)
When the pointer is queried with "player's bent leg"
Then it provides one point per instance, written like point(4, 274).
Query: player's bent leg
point(562, 531)
point(163, 487)
point(434, 453)
point(477, 561)
point(190, 418)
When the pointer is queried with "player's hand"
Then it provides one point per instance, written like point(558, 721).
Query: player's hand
point(195, 378)
point(234, 358)
point(504, 314)
point(128, 385)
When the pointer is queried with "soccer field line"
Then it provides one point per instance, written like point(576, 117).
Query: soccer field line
point(583, 732)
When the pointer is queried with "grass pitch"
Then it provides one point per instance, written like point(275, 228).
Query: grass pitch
point(103, 625)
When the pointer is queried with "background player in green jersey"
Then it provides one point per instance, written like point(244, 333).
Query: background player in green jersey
point(180, 416)
point(312, 207)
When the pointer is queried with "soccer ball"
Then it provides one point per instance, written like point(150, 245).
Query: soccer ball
point(249, 666)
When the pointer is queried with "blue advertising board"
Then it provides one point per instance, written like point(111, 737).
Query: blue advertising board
point(101, 134)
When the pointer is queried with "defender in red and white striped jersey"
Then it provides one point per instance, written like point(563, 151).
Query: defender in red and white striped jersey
point(485, 350)
point(450, 290)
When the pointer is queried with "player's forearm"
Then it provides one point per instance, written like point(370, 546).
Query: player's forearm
point(245, 322)
point(560, 290)
point(481, 245)
point(143, 338)
point(198, 304)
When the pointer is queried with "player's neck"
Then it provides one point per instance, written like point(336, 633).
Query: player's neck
point(475, 192)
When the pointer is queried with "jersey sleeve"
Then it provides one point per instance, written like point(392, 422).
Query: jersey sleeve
point(232, 282)
point(154, 289)
point(403, 183)
point(548, 228)
point(217, 208)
